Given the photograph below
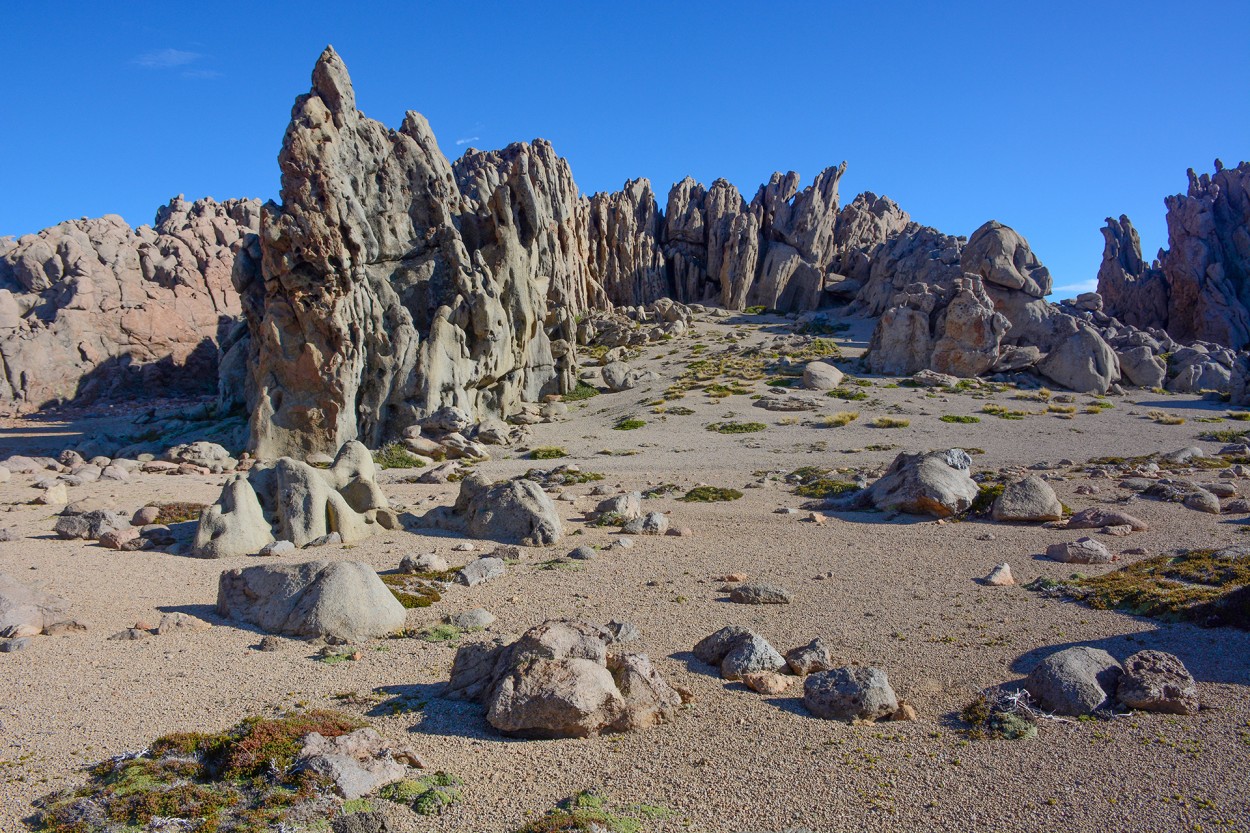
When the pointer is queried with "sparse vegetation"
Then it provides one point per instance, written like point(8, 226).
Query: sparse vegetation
point(837, 420)
point(847, 394)
point(240, 780)
point(961, 420)
point(1003, 412)
point(736, 427)
point(396, 456)
point(551, 453)
point(580, 392)
point(587, 812)
point(709, 494)
point(628, 424)
point(1226, 435)
point(1197, 586)
point(178, 512)
point(428, 795)
point(1161, 418)
point(890, 422)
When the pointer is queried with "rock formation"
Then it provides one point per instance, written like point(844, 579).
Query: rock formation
point(289, 500)
point(93, 308)
point(1199, 288)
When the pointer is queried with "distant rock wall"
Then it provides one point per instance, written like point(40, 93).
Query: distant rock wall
point(1199, 288)
point(93, 308)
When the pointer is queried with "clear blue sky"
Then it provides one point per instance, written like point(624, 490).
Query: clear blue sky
point(1046, 116)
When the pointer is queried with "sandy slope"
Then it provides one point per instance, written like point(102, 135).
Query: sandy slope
point(902, 596)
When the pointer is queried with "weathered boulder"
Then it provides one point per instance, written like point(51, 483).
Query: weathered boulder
point(1081, 361)
point(821, 376)
point(1156, 681)
point(559, 680)
point(90, 525)
point(1080, 551)
point(1075, 681)
point(1096, 517)
point(750, 653)
point(342, 600)
point(27, 611)
point(852, 693)
point(511, 512)
point(936, 483)
point(357, 763)
point(810, 658)
point(1028, 500)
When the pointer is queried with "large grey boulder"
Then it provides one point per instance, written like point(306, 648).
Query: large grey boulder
point(1080, 551)
point(234, 525)
point(712, 648)
point(936, 483)
point(852, 693)
point(27, 611)
point(559, 680)
point(90, 525)
point(341, 600)
point(750, 654)
point(1075, 681)
point(1028, 500)
point(1081, 361)
point(821, 376)
point(510, 512)
point(1156, 681)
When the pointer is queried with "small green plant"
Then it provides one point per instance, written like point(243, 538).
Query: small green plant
point(960, 420)
point(628, 424)
point(580, 392)
point(987, 493)
point(709, 494)
point(1227, 435)
point(1062, 410)
point(440, 633)
point(890, 422)
point(660, 491)
point(1002, 412)
point(679, 410)
point(847, 394)
point(357, 805)
point(736, 427)
point(837, 420)
point(551, 453)
point(173, 513)
point(1239, 416)
point(396, 456)
point(755, 310)
point(428, 795)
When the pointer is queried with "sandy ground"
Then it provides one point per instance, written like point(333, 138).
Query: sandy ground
point(902, 596)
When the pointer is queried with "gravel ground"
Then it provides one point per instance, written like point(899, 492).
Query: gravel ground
point(902, 596)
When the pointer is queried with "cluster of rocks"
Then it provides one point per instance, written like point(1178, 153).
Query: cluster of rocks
point(563, 678)
point(291, 501)
point(1082, 680)
point(94, 308)
point(830, 690)
point(515, 511)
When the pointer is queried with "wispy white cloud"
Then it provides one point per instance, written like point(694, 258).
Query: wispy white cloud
point(467, 139)
point(1071, 290)
point(167, 58)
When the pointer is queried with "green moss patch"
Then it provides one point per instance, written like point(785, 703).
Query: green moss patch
point(736, 427)
point(580, 392)
point(628, 424)
point(588, 812)
point(552, 453)
point(987, 493)
point(709, 494)
point(240, 781)
point(428, 795)
point(1196, 586)
point(848, 394)
point(959, 420)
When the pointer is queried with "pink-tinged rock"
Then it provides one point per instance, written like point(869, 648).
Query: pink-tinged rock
point(1001, 576)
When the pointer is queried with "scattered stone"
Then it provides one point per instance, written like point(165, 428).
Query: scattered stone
point(1156, 681)
point(480, 570)
point(760, 594)
point(1096, 517)
point(750, 653)
point(278, 548)
point(1075, 681)
point(584, 553)
point(810, 658)
point(342, 600)
point(55, 495)
point(852, 693)
point(464, 546)
point(478, 618)
point(622, 632)
point(906, 712)
point(9, 646)
point(146, 515)
point(1027, 501)
point(1000, 576)
point(1202, 501)
point(425, 563)
point(681, 532)
point(130, 634)
point(1080, 551)
point(767, 682)
point(713, 648)
point(269, 643)
point(1119, 530)
point(653, 523)
point(181, 623)
point(117, 539)
point(329, 539)
point(90, 525)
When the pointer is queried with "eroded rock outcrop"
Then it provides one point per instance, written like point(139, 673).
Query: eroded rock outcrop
point(289, 500)
point(1199, 287)
point(92, 308)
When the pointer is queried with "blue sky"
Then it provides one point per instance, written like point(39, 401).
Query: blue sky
point(1046, 116)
